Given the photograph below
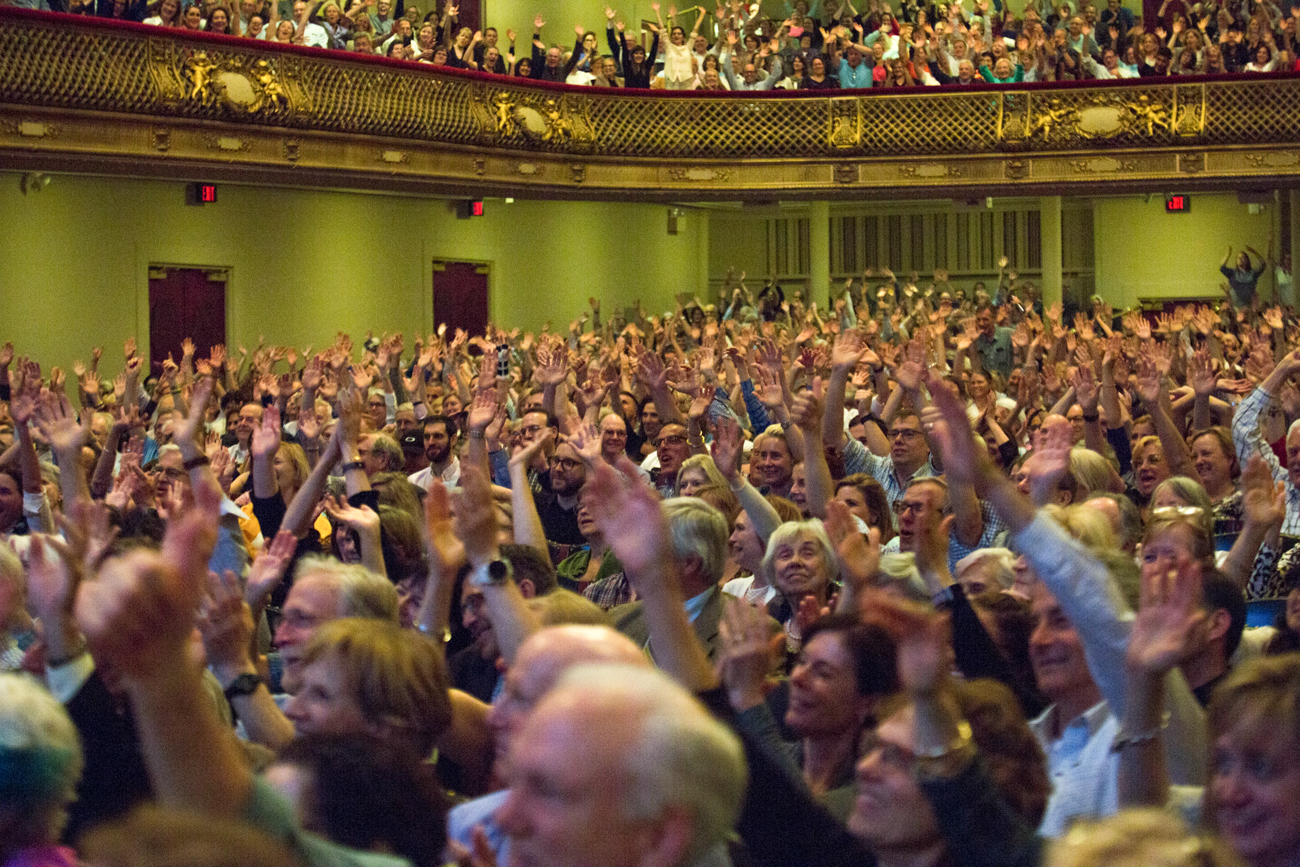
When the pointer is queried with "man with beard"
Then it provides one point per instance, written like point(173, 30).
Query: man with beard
point(557, 507)
point(439, 447)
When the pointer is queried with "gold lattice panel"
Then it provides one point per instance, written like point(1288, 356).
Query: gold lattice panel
point(106, 68)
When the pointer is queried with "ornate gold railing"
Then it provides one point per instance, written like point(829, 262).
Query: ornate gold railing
point(524, 133)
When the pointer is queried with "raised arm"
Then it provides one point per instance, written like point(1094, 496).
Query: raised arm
point(476, 526)
point(138, 614)
point(807, 413)
point(528, 528)
point(1150, 385)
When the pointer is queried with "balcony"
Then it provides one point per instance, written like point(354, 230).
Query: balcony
point(86, 95)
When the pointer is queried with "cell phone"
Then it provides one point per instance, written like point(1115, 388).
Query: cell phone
point(503, 361)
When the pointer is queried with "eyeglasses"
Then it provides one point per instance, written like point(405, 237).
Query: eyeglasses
point(902, 507)
point(532, 429)
point(672, 440)
point(905, 432)
point(565, 464)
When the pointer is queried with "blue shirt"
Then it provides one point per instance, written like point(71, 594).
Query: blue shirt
point(850, 77)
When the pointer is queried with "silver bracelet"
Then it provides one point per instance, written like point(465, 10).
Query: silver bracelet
point(1124, 740)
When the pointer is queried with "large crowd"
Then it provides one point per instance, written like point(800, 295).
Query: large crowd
point(825, 44)
point(915, 574)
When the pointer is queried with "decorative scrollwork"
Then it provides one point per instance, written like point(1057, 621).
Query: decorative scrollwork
point(537, 118)
point(108, 69)
point(244, 85)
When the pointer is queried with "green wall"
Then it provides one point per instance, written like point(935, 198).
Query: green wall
point(74, 260)
point(1143, 252)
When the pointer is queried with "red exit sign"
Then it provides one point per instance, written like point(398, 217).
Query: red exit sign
point(1178, 203)
point(200, 194)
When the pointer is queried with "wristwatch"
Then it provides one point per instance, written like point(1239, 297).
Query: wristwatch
point(245, 684)
point(491, 573)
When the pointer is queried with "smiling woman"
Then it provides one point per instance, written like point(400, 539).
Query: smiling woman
point(800, 562)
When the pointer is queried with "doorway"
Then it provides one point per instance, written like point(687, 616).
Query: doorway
point(460, 295)
point(185, 302)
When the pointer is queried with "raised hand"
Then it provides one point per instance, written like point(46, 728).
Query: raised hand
point(727, 447)
point(1263, 501)
point(921, 639)
point(768, 387)
point(363, 519)
point(1149, 380)
point(631, 519)
point(859, 555)
point(58, 424)
point(138, 612)
point(226, 625)
point(350, 409)
point(1170, 626)
point(266, 439)
point(552, 365)
point(585, 440)
point(482, 409)
point(748, 652)
point(1051, 458)
point(1201, 373)
point(524, 453)
point(847, 350)
point(963, 458)
point(1086, 391)
point(806, 411)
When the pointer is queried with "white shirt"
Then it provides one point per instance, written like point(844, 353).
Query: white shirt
point(1083, 770)
point(450, 476)
point(315, 35)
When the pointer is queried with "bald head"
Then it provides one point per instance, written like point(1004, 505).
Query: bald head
point(618, 765)
point(540, 663)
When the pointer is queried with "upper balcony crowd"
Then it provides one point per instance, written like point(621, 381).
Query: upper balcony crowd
point(830, 44)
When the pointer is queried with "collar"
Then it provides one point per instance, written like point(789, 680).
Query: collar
point(452, 472)
point(696, 604)
point(228, 507)
point(1092, 719)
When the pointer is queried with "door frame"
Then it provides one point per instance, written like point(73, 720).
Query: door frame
point(433, 256)
point(144, 263)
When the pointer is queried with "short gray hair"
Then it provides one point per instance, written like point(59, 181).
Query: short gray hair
point(680, 756)
point(39, 743)
point(788, 531)
point(362, 593)
point(394, 457)
point(698, 530)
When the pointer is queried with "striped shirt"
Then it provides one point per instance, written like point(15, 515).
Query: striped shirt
point(1249, 441)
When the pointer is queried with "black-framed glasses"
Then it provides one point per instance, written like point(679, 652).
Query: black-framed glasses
point(906, 433)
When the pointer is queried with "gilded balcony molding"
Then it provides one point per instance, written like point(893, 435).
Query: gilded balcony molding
point(77, 91)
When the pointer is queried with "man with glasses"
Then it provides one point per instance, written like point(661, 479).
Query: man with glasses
point(557, 506)
point(673, 449)
point(907, 461)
